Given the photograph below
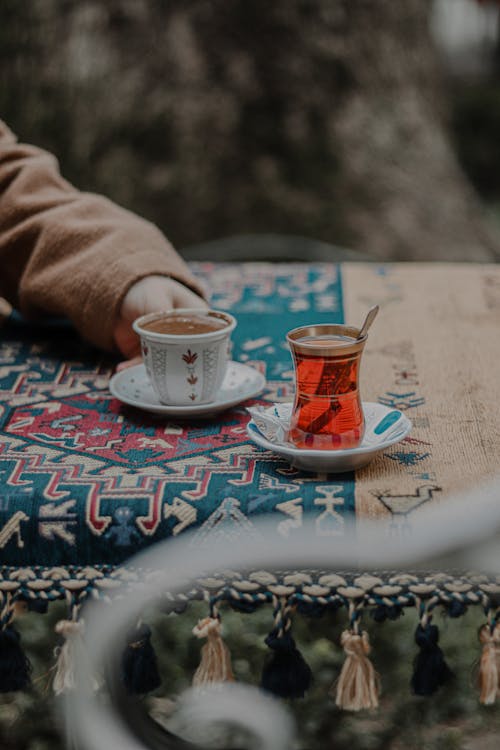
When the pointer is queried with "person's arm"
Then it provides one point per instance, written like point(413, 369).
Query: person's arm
point(70, 253)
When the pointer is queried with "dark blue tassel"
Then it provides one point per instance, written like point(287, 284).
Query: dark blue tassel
point(430, 670)
point(385, 612)
point(310, 609)
point(40, 606)
point(456, 608)
point(15, 668)
point(243, 605)
point(316, 609)
point(139, 664)
point(286, 674)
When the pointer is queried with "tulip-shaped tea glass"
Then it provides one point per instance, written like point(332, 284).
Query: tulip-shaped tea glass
point(327, 413)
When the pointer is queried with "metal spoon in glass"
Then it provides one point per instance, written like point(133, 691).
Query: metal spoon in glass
point(370, 317)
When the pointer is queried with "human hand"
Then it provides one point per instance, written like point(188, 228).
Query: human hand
point(145, 296)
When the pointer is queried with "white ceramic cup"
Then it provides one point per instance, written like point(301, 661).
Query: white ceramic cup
point(185, 368)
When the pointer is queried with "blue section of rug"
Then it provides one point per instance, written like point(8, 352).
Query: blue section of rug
point(86, 480)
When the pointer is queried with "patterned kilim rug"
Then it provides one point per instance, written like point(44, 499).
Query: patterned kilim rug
point(85, 481)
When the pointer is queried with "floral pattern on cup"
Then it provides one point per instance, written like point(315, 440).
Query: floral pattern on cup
point(190, 359)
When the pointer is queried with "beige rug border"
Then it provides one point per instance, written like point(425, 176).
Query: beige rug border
point(436, 345)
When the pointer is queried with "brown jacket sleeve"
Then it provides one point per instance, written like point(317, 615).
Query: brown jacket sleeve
point(70, 253)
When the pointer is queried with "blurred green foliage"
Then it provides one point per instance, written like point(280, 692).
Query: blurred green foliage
point(476, 125)
point(213, 119)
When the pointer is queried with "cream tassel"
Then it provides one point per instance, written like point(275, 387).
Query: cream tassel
point(358, 685)
point(64, 678)
point(489, 666)
point(215, 664)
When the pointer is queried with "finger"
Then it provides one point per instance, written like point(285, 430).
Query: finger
point(184, 297)
point(128, 363)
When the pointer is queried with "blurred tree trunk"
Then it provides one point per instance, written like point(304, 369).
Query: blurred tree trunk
point(325, 118)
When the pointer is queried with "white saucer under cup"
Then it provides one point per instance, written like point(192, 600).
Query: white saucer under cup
point(383, 427)
point(133, 387)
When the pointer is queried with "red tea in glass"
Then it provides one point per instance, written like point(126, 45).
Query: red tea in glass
point(327, 412)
